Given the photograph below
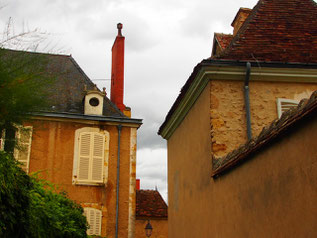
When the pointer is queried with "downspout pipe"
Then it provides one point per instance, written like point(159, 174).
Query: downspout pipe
point(118, 179)
point(247, 100)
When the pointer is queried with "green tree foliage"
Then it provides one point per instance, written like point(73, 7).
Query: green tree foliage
point(30, 207)
point(15, 188)
point(23, 80)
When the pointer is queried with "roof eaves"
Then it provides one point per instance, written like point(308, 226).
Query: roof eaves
point(220, 62)
point(67, 115)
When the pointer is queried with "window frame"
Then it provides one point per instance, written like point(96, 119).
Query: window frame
point(17, 150)
point(18, 143)
point(76, 159)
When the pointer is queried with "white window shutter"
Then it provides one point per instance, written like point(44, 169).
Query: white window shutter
point(2, 136)
point(285, 104)
point(92, 221)
point(98, 222)
point(94, 217)
point(98, 157)
point(23, 150)
point(84, 156)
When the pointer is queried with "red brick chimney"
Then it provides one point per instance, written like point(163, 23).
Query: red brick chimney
point(117, 70)
point(137, 184)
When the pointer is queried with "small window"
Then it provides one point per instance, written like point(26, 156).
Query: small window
point(19, 141)
point(22, 151)
point(90, 156)
point(94, 218)
point(2, 136)
point(285, 104)
point(94, 102)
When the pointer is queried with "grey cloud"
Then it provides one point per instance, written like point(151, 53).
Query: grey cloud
point(205, 16)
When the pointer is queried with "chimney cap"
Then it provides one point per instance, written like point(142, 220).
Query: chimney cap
point(119, 27)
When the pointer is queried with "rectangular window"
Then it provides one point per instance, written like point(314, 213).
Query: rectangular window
point(22, 150)
point(2, 136)
point(94, 218)
point(18, 141)
point(91, 153)
point(285, 104)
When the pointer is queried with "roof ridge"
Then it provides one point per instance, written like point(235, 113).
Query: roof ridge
point(39, 53)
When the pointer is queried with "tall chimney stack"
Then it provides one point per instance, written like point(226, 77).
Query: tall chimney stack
point(117, 70)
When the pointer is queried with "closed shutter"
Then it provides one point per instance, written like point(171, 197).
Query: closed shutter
point(22, 151)
point(284, 105)
point(98, 157)
point(91, 221)
point(2, 136)
point(84, 156)
point(91, 156)
point(98, 217)
point(94, 217)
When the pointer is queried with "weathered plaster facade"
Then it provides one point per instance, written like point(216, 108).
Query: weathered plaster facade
point(189, 157)
point(52, 155)
point(275, 199)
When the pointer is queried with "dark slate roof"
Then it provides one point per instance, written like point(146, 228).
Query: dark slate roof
point(150, 204)
point(306, 109)
point(277, 30)
point(67, 91)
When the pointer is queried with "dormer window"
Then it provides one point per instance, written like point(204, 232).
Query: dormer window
point(94, 102)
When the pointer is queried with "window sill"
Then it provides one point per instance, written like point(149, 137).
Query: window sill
point(96, 184)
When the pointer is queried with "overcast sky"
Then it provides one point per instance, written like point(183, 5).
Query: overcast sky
point(165, 39)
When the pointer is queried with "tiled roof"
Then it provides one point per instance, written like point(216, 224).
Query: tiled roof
point(305, 109)
point(67, 91)
point(149, 203)
point(277, 31)
point(270, 35)
point(241, 10)
point(223, 39)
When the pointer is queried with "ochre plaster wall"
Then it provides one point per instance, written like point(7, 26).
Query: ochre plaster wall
point(189, 169)
point(160, 228)
point(52, 153)
point(227, 110)
point(271, 195)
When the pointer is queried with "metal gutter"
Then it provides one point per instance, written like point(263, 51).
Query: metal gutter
point(67, 115)
point(118, 180)
point(247, 100)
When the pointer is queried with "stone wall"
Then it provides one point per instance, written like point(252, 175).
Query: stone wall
point(227, 109)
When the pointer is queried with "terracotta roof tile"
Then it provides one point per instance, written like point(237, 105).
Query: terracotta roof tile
point(149, 203)
point(223, 39)
point(306, 108)
point(277, 31)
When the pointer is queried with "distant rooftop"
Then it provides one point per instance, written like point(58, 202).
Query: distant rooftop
point(150, 204)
